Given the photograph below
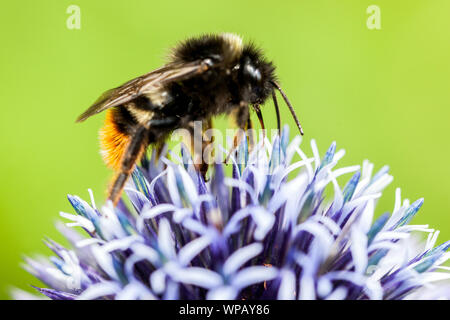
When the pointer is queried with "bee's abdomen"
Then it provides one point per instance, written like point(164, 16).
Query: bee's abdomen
point(114, 138)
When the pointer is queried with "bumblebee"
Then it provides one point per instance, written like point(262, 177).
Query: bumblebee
point(206, 76)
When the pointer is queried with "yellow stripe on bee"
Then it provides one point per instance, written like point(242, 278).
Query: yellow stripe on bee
point(143, 117)
point(233, 45)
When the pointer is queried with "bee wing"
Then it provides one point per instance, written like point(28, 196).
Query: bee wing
point(144, 84)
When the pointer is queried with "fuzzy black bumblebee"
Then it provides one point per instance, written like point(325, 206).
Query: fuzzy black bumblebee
point(206, 76)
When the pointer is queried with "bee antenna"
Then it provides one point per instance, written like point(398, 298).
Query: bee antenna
point(277, 110)
point(285, 98)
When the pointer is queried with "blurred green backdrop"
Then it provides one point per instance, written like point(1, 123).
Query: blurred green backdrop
point(381, 94)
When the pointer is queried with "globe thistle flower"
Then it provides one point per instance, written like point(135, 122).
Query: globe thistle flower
point(274, 229)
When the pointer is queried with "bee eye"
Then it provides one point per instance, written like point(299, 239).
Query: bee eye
point(253, 72)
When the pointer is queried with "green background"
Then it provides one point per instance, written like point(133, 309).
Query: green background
point(382, 94)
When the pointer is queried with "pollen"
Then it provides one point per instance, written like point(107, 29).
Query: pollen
point(113, 143)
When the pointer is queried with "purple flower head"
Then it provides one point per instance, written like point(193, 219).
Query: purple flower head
point(275, 228)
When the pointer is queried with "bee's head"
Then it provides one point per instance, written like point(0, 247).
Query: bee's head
point(254, 76)
point(257, 81)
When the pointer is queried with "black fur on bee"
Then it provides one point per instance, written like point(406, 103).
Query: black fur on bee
point(206, 76)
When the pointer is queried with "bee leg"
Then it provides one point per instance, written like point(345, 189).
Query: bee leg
point(201, 154)
point(250, 135)
point(158, 144)
point(164, 122)
point(133, 153)
point(207, 149)
point(261, 120)
point(242, 119)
